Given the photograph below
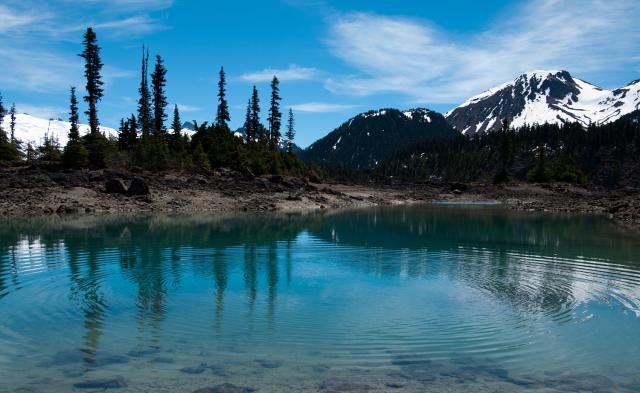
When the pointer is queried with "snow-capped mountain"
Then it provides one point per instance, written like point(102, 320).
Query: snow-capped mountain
point(33, 129)
point(539, 97)
point(368, 138)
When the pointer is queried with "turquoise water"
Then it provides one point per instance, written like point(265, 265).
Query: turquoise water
point(436, 298)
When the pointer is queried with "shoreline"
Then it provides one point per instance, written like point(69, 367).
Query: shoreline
point(34, 192)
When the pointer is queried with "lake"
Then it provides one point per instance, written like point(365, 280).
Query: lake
point(407, 298)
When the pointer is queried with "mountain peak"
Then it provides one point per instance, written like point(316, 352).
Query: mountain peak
point(367, 138)
point(543, 96)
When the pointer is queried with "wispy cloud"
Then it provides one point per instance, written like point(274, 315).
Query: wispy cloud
point(188, 108)
point(293, 73)
point(42, 111)
point(322, 107)
point(412, 57)
point(10, 19)
point(33, 33)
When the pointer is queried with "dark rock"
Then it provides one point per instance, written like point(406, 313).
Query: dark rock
point(226, 388)
point(107, 383)
point(194, 370)
point(276, 179)
point(74, 373)
point(218, 370)
point(395, 385)
point(138, 187)
point(105, 360)
point(66, 209)
point(65, 357)
point(115, 186)
point(163, 360)
point(314, 178)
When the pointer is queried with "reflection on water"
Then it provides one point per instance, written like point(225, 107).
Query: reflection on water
point(393, 298)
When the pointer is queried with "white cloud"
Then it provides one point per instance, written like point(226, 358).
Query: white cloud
point(322, 107)
point(293, 73)
point(37, 71)
point(139, 24)
point(42, 111)
point(188, 108)
point(590, 38)
point(11, 20)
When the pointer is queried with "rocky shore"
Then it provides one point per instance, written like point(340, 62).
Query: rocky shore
point(32, 191)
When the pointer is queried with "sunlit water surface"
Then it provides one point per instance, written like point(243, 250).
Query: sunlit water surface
point(439, 298)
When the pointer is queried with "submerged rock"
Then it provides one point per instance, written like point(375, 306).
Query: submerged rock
point(105, 360)
point(106, 383)
point(194, 370)
point(164, 360)
point(226, 388)
point(267, 363)
point(339, 385)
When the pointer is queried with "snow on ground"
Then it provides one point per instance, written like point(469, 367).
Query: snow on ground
point(33, 129)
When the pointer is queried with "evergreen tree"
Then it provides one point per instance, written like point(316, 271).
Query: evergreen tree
point(75, 154)
point(256, 128)
point(222, 116)
point(132, 137)
point(30, 154)
point(159, 82)
point(123, 134)
point(275, 116)
point(12, 124)
point(144, 102)
point(540, 173)
point(8, 150)
point(178, 141)
point(74, 132)
point(505, 152)
point(177, 124)
point(291, 132)
point(248, 125)
point(93, 65)
point(200, 159)
point(3, 134)
point(49, 151)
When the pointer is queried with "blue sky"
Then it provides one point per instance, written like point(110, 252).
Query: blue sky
point(334, 58)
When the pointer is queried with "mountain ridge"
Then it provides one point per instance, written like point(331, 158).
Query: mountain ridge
point(364, 140)
point(544, 96)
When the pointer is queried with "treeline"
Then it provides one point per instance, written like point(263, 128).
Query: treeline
point(145, 142)
point(604, 155)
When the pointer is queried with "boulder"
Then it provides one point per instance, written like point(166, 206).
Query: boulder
point(115, 186)
point(138, 187)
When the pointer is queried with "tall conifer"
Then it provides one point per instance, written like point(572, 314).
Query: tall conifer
point(177, 124)
point(92, 67)
point(248, 125)
point(12, 123)
point(222, 116)
point(255, 116)
point(3, 134)
point(158, 83)
point(75, 154)
point(74, 132)
point(291, 132)
point(275, 116)
point(144, 102)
